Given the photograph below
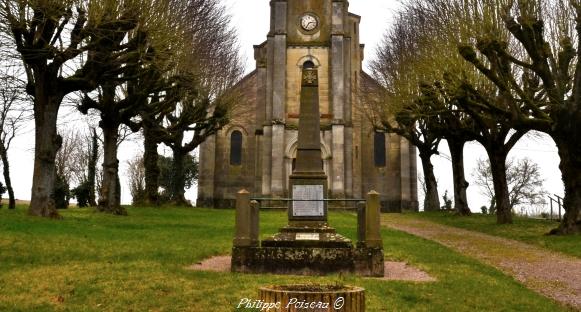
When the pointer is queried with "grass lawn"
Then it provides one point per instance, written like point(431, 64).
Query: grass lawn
point(523, 229)
point(96, 262)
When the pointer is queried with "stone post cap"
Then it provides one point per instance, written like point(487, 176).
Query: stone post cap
point(372, 192)
point(243, 191)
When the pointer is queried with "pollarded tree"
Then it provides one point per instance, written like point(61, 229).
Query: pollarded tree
point(459, 92)
point(65, 46)
point(201, 97)
point(396, 106)
point(200, 116)
point(541, 81)
point(151, 48)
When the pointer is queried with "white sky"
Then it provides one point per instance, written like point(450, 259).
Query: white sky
point(251, 18)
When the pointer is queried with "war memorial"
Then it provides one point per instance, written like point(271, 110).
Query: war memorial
point(307, 245)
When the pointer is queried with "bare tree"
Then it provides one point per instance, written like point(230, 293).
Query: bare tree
point(136, 176)
point(65, 46)
point(395, 105)
point(154, 47)
point(203, 97)
point(424, 66)
point(12, 114)
point(541, 81)
point(524, 180)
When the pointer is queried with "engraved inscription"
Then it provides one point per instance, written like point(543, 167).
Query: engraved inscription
point(307, 236)
point(303, 207)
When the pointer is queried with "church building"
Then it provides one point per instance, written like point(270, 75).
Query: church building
point(257, 150)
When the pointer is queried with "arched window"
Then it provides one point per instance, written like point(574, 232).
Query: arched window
point(236, 148)
point(379, 149)
point(308, 64)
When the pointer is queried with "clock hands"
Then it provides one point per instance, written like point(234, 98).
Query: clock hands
point(309, 22)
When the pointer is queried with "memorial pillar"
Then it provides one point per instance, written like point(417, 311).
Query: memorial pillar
point(308, 180)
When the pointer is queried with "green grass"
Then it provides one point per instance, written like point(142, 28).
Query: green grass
point(96, 262)
point(532, 231)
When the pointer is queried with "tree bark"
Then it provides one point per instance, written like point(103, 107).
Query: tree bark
point(109, 196)
point(570, 166)
point(47, 143)
point(501, 193)
point(7, 180)
point(179, 178)
point(150, 162)
point(432, 200)
point(460, 183)
point(92, 169)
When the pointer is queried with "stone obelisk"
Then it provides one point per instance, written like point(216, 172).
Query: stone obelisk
point(307, 245)
point(308, 180)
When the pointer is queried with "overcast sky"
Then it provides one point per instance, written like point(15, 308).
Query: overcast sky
point(251, 18)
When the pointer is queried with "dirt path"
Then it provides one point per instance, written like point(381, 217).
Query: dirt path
point(552, 274)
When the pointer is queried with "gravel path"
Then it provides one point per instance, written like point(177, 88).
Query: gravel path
point(552, 274)
point(394, 271)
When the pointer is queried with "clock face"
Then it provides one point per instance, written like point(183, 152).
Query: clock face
point(309, 22)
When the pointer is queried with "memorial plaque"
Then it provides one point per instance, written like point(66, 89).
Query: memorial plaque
point(307, 236)
point(303, 207)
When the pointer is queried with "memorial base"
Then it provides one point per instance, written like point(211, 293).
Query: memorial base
point(301, 237)
point(308, 261)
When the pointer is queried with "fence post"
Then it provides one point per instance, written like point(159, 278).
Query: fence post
point(254, 222)
point(244, 221)
point(373, 221)
point(361, 222)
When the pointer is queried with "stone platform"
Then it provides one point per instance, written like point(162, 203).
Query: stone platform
point(308, 260)
point(304, 248)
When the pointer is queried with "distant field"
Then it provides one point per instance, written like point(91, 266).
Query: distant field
point(21, 202)
point(94, 262)
point(532, 231)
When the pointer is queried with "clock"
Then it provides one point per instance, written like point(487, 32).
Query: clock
point(309, 22)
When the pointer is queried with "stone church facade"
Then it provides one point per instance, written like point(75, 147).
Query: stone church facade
point(256, 151)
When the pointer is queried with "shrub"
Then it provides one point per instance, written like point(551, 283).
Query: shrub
point(82, 194)
point(62, 194)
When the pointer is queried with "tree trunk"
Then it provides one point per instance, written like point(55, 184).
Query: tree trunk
point(570, 167)
point(179, 178)
point(432, 200)
point(150, 162)
point(7, 180)
point(109, 196)
point(501, 193)
point(92, 169)
point(460, 183)
point(47, 143)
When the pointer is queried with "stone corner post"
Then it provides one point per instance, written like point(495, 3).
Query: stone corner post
point(373, 221)
point(246, 221)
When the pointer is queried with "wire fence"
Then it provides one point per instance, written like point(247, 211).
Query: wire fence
point(334, 203)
